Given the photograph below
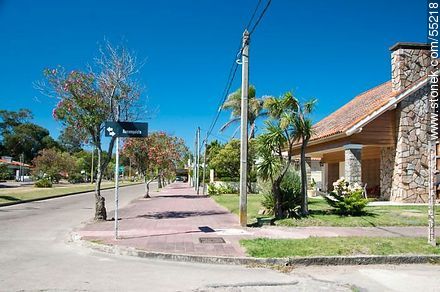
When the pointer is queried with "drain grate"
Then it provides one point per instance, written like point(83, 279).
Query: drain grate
point(211, 240)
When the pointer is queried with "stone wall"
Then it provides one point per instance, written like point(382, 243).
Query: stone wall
point(353, 169)
point(410, 177)
point(408, 64)
point(387, 163)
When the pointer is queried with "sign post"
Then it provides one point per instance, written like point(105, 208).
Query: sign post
point(117, 188)
point(127, 130)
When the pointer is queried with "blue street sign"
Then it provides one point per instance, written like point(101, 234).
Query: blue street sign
point(126, 129)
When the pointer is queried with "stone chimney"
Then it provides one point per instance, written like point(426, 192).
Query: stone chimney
point(409, 63)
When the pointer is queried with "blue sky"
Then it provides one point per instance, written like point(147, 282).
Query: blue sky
point(330, 50)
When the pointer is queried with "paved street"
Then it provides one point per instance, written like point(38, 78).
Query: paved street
point(34, 255)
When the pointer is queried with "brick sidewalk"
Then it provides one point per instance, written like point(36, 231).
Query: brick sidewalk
point(173, 221)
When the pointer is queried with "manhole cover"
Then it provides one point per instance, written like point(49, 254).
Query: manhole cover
point(211, 240)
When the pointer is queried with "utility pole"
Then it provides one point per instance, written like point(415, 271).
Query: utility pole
point(198, 161)
point(195, 163)
point(204, 167)
point(244, 127)
point(190, 177)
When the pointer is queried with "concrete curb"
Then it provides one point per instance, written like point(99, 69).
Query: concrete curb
point(294, 261)
point(59, 196)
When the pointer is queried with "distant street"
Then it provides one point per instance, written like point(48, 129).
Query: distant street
point(35, 255)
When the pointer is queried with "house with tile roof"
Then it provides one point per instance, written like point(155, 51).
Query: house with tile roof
point(380, 137)
point(19, 169)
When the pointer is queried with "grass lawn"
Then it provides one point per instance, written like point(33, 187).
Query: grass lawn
point(335, 246)
point(26, 193)
point(321, 214)
point(230, 202)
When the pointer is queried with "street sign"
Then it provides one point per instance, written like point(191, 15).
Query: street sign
point(126, 129)
point(118, 130)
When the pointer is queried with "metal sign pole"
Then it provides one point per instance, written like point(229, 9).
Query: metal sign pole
point(431, 193)
point(116, 188)
point(123, 129)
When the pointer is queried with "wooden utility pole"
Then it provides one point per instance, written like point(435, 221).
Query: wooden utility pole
point(244, 127)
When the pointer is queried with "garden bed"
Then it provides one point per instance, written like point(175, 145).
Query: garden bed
point(321, 214)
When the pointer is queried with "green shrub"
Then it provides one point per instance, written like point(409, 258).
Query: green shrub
point(290, 195)
point(5, 172)
point(225, 189)
point(43, 183)
point(76, 178)
point(347, 199)
point(214, 190)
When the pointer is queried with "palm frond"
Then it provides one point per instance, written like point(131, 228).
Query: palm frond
point(235, 132)
point(309, 106)
point(229, 123)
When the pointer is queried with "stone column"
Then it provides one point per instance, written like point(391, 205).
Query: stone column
point(387, 158)
point(324, 176)
point(309, 172)
point(353, 167)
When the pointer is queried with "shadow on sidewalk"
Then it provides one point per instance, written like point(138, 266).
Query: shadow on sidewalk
point(176, 188)
point(171, 196)
point(178, 214)
point(202, 229)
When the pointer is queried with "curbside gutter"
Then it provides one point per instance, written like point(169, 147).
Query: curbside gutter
point(60, 196)
point(293, 261)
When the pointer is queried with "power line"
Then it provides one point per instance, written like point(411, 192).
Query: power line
point(260, 17)
point(225, 96)
point(253, 14)
point(234, 67)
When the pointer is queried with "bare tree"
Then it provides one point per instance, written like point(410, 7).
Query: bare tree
point(107, 92)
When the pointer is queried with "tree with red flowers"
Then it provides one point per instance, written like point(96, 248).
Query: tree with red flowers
point(87, 99)
point(156, 156)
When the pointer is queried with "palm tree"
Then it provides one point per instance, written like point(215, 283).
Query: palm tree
point(256, 110)
point(304, 131)
point(280, 132)
point(290, 124)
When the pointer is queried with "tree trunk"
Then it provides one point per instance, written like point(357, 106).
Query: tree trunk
point(147, 187)
point(252, 131)
point(304, 204)
point(276, 190)
point(159, 181)
point(277, 196)
point(100, 211)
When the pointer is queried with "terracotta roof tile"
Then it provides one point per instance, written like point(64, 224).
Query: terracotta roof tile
point(16, 163)
point(354, 111)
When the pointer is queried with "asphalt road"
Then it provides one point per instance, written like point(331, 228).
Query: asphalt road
point(35, 255)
